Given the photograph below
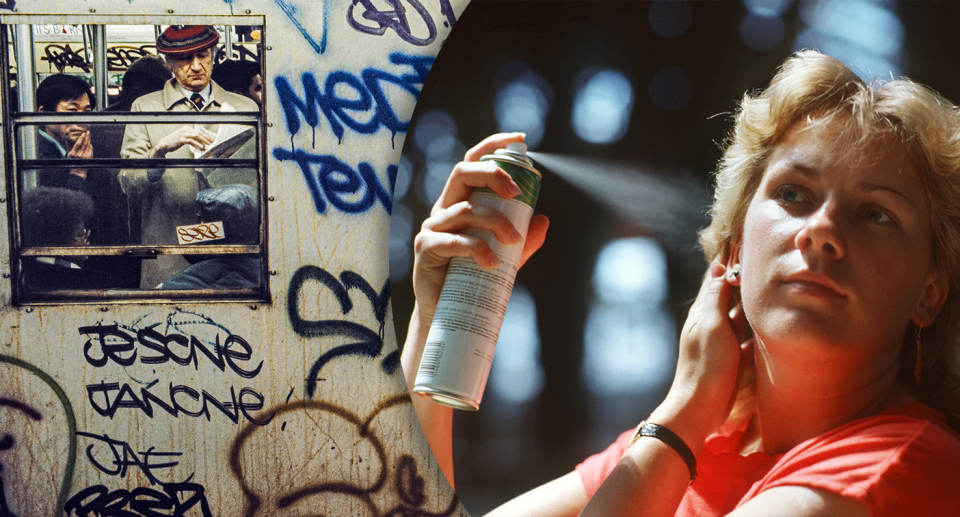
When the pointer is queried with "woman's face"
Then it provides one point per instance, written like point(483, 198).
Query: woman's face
point(836, 246)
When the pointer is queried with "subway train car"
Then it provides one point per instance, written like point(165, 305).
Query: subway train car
point(201, 325)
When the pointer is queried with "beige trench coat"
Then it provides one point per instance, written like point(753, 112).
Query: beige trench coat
point(171, 201)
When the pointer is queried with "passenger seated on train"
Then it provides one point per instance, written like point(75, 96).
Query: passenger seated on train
point(237, 209)
point(53, 216)
point(63, 93)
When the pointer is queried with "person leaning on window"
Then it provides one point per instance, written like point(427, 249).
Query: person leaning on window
point(235, 208)
point(53, 216)
point(62, 93)
point(167, 196)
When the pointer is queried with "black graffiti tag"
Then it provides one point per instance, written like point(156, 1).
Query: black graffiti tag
point(62, 56)
point(99, 501)
point(243, 53)
point(365, 342)
point(120, 57)
point(106, 398)
point(117, 345)
point(123, 456)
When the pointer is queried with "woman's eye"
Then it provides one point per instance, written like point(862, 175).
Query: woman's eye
point(877, 216)
point(789, 194)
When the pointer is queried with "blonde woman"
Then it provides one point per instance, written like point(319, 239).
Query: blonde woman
point(819, 368)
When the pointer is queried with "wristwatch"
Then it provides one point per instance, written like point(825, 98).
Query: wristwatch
point(671, 439)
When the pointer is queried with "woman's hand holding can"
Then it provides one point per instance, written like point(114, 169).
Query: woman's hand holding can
point(442, 235)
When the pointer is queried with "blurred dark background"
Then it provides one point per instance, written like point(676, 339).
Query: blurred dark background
point(628, 102)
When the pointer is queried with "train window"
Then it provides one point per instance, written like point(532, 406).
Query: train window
point(137, 166)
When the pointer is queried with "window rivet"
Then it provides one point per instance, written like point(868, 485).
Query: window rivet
point(92, 10)
point(253, 307)
point(271, 198)
point(269, 124)
point(247, 11)
point(6, 275)
point(273, 272)
point(29, 309)
point(169, 11)
point(179, 308)
point(3, 200)
point(104, 309)
point(269, 47)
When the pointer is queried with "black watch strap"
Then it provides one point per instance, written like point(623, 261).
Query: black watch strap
point(672, 440)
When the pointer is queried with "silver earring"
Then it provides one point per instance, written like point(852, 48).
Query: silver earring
point(735, 274)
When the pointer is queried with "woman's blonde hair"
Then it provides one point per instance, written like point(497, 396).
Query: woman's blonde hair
point(811, 85)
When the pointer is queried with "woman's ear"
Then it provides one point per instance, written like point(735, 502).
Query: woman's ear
point(733, 263)
point(934, 296)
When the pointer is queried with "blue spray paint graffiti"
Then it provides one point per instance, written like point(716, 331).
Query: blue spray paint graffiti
point(366, 342)
point(339, 183)
point(397, 19)
point(294, 14)
point(367, 94)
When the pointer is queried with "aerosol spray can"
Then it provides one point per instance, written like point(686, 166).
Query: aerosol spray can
point(463, 335)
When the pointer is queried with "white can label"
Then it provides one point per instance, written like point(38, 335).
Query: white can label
point(473, 302)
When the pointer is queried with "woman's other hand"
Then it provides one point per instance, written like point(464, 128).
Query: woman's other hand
point(714, 351)
point(442, 235)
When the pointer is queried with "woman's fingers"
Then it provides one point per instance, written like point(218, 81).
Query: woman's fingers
point(469, 175)
point(536, 235)
point(435, 249)
point(472, 173)
point(457, 226)
point(712, 305)
point(710, 358)
point(464, 215)
point(491, 144)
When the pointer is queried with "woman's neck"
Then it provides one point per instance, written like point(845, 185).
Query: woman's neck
point(796, 402)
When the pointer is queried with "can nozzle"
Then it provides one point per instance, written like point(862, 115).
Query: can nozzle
point(518, 147)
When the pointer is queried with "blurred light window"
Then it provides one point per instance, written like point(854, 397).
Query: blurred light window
point(630, 336)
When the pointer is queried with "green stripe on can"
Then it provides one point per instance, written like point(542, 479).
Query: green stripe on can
point(527, 180)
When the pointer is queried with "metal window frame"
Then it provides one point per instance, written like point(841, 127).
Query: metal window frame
point(13, 164)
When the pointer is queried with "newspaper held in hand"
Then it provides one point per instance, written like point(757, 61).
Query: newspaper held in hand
point(240, 145)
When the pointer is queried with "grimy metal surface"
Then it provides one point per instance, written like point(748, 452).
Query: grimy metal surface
point(108, 408)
